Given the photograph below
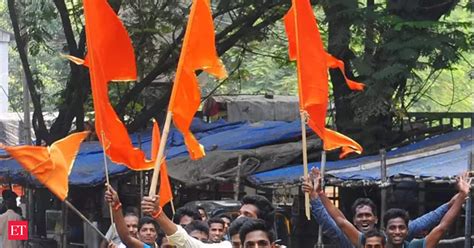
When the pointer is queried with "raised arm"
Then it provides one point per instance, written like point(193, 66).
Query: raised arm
point(428, 220)
point(150, 207)
point(435, 235)
point(346, 226)
point(175, 234)
point(322, 217)
point(111, 197)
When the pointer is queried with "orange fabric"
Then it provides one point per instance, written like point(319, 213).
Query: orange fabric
point(198, 52)
point(50, 165)
point(336, 63)
point(165, 193)
point(18, 189)
point(306, 47)
point(110, 58)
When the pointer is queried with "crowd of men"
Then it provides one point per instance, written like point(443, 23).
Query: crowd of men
point(254, 227)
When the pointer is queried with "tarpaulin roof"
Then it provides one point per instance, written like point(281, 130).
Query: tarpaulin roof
point(440, 157)
point(89, 165)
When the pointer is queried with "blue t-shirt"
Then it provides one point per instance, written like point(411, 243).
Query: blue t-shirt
point(416, 243)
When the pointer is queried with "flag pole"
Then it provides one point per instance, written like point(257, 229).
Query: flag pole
point(305, 161)
point(84, 218)
point(161, 151)
point(107, 176)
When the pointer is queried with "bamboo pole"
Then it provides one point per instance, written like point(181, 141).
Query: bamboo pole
point(305, 161)
point(107, 176)
point(161, 151)
point(140, 177)
point(85, 219)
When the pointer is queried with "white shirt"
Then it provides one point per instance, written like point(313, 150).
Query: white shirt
point(4, 218)
point(183, 240)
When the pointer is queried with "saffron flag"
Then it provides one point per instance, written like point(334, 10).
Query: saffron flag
point(198, 52)
point(306, 47)
point(110, 57)
point(50, 165)
point(165, 193)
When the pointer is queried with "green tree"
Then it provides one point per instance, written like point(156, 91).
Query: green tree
point(395, 47)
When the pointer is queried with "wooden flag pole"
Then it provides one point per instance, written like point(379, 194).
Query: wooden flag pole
point(172, 206)
point(107, 176)
point(305, 161)
point(84, 218)
point(161, 151)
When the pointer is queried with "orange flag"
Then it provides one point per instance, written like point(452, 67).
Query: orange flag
point(306, 47)
point(198, 52)
point(50, 165)
point(165, 193)
point(110, 57)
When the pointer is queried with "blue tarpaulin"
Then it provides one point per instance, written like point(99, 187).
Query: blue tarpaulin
point(89, 165)
point(439, 157)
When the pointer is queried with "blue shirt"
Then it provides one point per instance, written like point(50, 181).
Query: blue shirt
point(333, 232)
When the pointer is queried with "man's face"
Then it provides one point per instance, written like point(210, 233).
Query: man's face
point(364, 218)
point(226, 224)
point(248, 210)
point(216, 232)
point(132, 225)
point(185, 220)
point(147, 233)
point(235, 240)
point(257, 239)
point(202, 214)
point(396, 231)
point(199, 235)
point(374, 242)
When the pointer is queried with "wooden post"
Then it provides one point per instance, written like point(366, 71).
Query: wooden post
point(237, 179)
point(323, 169)
point(140, 175)
point(383, 178)
point(305, 161)
point(161, 151)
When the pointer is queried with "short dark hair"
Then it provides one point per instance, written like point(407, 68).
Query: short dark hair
point(9, 194)
point(197, 225)
point(148, 220)
point(131, 214)
point(131, 210)
point(374, 233)
point(235, 226)
point(266, 211)
point(191, 212)
point(256, 225)
point(215, 220)
point(396, 213)
point(364, 202)
point(224, 216)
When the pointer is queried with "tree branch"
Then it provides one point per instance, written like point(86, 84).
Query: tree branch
point(38, 120)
